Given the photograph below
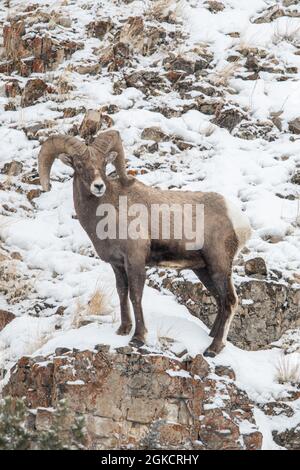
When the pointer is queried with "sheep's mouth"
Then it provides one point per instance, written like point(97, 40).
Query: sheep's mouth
point(98, 193)
point(98, 188)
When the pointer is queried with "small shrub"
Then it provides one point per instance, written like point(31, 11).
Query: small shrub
point(15, 433)
point(288, 370)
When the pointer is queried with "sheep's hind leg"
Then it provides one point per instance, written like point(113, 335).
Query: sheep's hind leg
point(136, 279)
point(228, 303)
point(207, 281)
point(122, 289)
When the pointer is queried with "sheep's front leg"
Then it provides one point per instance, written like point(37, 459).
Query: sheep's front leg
point(136, 280)
point(122, 289)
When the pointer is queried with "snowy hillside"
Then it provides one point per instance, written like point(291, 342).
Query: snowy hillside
point(206, 96)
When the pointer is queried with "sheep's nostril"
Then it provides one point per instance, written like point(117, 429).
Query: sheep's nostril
point(98, 186)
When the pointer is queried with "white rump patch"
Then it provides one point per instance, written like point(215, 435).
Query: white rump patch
point(240, 222)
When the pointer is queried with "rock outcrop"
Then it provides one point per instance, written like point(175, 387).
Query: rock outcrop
point(157, 401)
point(33, 52)
point(266, 308)
point(5, 318)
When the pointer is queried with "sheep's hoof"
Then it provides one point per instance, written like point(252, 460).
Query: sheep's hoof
point(213, 350)
point(124, 330)
point(136, 342)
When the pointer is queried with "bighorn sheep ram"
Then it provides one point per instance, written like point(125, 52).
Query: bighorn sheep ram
point(225, 231)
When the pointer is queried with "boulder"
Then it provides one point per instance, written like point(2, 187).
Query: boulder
point(5, 318)
point(154, 133)
point(34, 89)
point(12, 89)
point(99, 28)
point(269, 15)
point(290, 438)
point(13, 168)
point(228, 117)
point(294, 126)
point(90, 125)
point(214, 6)
point(256, 266)
point(35, 52)
point(296, 178)
point(33, 193)
point(266, 309)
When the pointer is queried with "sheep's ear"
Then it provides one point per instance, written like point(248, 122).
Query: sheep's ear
point(111, 157)
point(66, 159)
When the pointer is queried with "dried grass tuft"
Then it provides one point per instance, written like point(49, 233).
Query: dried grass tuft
point(288, 370)
point(98, 305)
point(222, 77)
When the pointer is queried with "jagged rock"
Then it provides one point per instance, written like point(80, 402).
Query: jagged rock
point(294, 126)
point(64, 21)
point(90, 125)
point(207, 105)
point(10, 106)
point(252, 63)
point(12, 89)
point(228, 117)
point(265, 311)
point(154, 133)
point(147, 81)
point(214, 6)
point(153, 404)
point(34, 52)
point(72, 112)
point(16, 256)
point(256, 266)
point(34, 89)
point(276, 119)
point(269, 15)
point(179, 64)
point(60, 310)
point(13, 168)
point(277, 409)
point(288, 3)
point(290, 439)
point(61, 351)
point(115, 56)
point(234, 34)
point(255, 51)
point(181, 144)
point(133, 32)
point(92, 68)
point(224, 371)
point(147, 148)
point(42, 129)
point(99, 28)
point(5, 318)
point(33, 193)
point(110, 109)
point(250, 130)
point(141, 38)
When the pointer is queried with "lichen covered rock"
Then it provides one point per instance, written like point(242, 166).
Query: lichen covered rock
point(157, 401)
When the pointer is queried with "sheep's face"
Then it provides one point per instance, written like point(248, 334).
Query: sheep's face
point(91, 170)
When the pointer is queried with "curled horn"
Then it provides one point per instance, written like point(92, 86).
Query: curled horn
point(107, 142)
point(53, 147)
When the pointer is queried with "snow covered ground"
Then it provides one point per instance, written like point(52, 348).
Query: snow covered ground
point(57, 261)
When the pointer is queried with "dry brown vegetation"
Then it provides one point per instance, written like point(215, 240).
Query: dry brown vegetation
point(98, 305)
point(288, 370)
